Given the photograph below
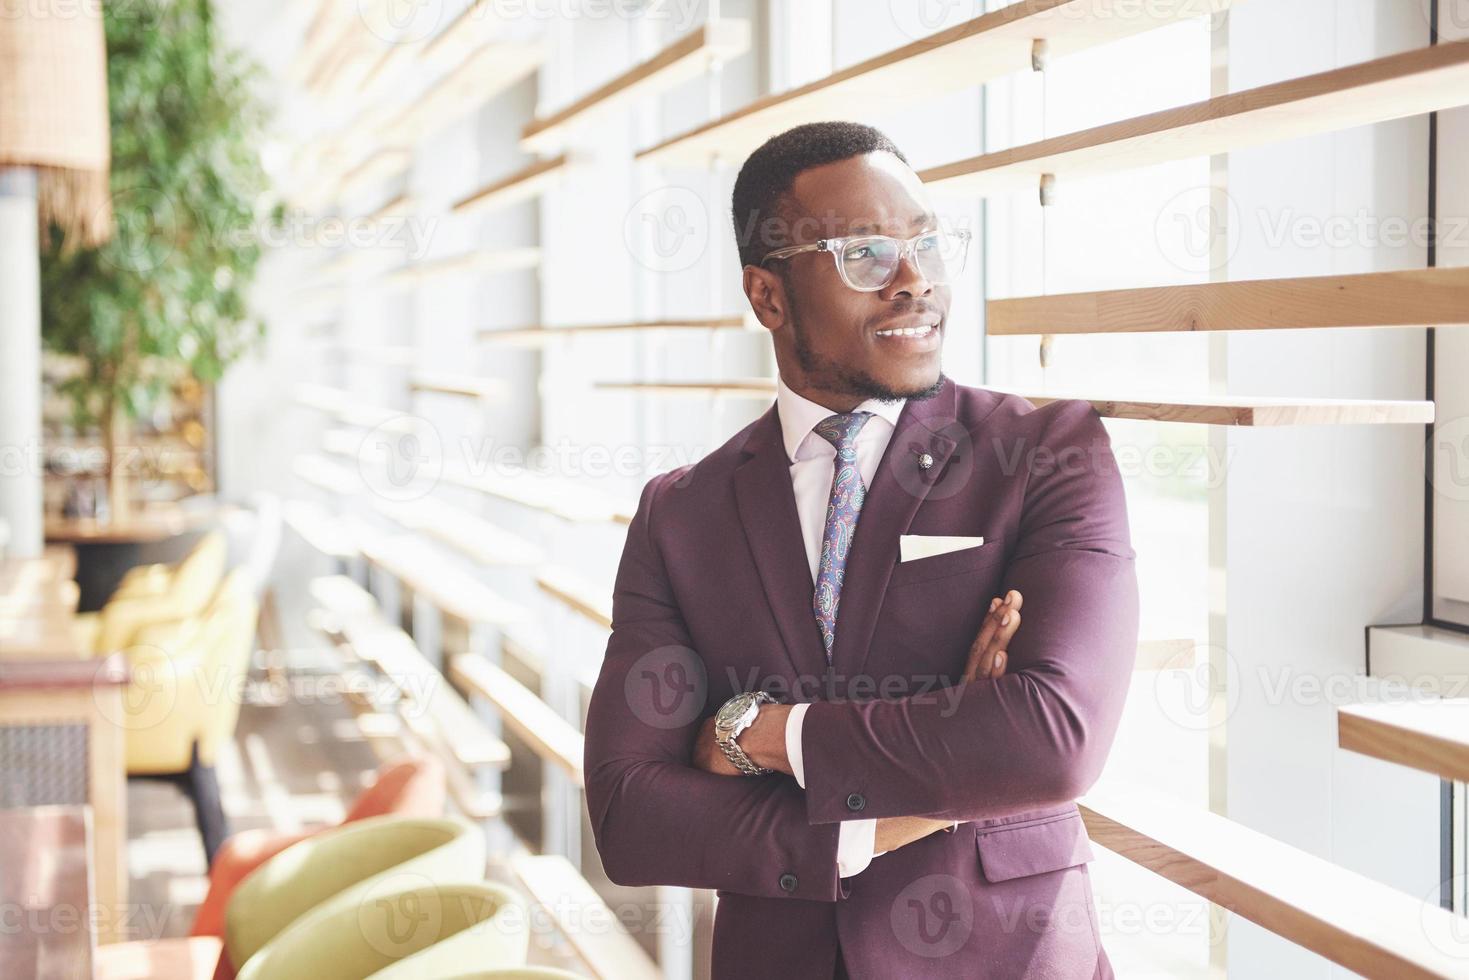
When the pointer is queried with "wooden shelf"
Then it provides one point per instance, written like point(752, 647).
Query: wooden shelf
point(1412, 298)
point(1408, 84)
point(1345, 917)
point(482, 262)
point(525, 182)
point(421, 567)
point(471, 535)
point(325, 475)
point(377, 166)
point(1253, 410)
point(539, 336)
point(963, 56)
point(465, 385)
point(558, 497)
point(484, 73)
point(566, 587)
point(551, 737)
point(718, 40)
point(1429, 735)
point(761, 388)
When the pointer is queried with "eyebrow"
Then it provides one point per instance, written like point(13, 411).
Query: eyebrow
point(867, 227)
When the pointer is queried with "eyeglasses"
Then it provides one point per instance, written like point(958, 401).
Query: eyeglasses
point(868, 263)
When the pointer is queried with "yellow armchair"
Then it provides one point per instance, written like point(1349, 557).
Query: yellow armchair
point(345, 865)
point(183, 697)
point(153, 594)
point(396, 933)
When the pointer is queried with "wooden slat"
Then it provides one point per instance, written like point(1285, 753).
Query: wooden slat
point(562, 498)
point(1345, 917)
point(466, 385)
point(484, 73)
point(965, 55)
point(1256, 410)
point(1413, 298)
point(320, 529)
point(526, 182)
point(541, 335)
point(423, 570)
point(586, 598)
point(326, 475)
point(553, 738)
point(572, 903)
point(480, 262)
point(378, 165)
point(1408, 84)
point(718, 40)
point(1428, 735)
point(468, 533)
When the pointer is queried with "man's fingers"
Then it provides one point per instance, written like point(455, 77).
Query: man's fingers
point(994, 634)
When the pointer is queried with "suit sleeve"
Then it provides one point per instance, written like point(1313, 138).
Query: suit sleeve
point(656, 819)
point(1039, 734)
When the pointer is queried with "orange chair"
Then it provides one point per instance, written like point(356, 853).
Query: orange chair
point(410, 786)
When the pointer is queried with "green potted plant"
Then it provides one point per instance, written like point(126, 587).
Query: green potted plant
point(166, 296)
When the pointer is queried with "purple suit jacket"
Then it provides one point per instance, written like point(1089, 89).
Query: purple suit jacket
point(713, 596)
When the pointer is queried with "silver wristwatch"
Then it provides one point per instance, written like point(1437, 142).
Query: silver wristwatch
point(737, 714)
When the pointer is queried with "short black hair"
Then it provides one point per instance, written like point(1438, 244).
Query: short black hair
point(763, 182)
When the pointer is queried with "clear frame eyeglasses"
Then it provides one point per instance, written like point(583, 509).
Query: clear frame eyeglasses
point(868, 263)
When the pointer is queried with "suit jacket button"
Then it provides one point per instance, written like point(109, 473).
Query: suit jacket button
point(788, 882)
point(856, 801)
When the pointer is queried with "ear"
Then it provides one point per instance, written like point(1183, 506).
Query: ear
point(766, 292)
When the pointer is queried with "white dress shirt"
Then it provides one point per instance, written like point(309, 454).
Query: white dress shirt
point(812, 462)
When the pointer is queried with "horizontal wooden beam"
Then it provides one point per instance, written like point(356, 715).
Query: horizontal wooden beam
point(465, 532)
point(479, 262)
point(1409, 298)
point(712, 41)
point(541, 335)
point(1201, 410)
point(464, 385)
point(1431, 735)
point(551, 737)
point(963, 56)
point(592, 929)
point(586, 598)
point(1343, 916)
point(523, 183)
point(1409, 84)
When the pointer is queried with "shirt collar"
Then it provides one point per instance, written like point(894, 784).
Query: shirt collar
point(799, 415)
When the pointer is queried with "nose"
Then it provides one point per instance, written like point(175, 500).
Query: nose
point(908, 279)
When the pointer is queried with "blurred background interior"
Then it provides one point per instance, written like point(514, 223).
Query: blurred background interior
point(338, 339)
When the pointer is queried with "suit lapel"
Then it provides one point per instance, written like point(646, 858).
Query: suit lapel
point(767, 506)
point(899, 486)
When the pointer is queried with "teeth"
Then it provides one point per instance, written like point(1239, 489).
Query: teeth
point(922, 331)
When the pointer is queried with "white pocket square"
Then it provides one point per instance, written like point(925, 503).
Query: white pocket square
point(911, 546)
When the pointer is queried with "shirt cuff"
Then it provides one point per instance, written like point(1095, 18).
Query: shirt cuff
point(793, 741)
point(855, 841)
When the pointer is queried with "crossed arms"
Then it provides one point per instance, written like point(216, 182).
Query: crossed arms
point(1037, 735)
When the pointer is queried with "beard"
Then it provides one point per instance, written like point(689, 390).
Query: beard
point(831, 375)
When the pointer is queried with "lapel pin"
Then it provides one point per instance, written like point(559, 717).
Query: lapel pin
point(924, 461)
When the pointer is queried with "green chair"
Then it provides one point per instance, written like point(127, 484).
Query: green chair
point(389, 933)
point(345, 864)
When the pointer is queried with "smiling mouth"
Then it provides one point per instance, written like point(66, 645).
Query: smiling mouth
point(919, 331)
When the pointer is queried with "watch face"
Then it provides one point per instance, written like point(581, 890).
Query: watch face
point(732, 711)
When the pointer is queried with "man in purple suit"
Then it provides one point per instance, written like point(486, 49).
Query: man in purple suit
point(811, 701)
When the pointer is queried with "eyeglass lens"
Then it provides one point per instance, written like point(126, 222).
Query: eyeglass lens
point(873, 261)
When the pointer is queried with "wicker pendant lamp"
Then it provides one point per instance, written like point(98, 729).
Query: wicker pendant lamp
point(54, 155)
point(53, 111)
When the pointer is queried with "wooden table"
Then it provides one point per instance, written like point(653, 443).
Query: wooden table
point(45, 889)
point(61, 715)
point(105, 550)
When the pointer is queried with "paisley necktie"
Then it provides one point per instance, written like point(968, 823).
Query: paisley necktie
point(842, 511)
